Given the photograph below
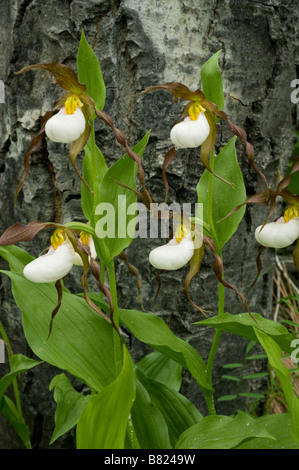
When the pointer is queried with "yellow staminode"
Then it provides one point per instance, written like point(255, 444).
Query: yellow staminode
point(72, 103)
point(57, 238)
point(194, 110)
point(85, 238)
point(291, 213)
point(181, 232)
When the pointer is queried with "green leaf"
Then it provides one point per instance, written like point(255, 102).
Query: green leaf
point(152, 330)
point(70, 405)
point(232, 365)
point(16, 257)
point(251, 395)
point(81, 341)
point(279, 427)
point(256, 356)
point(274, 354)
point(112, 217)
point(212, 81)
point(231, 377)
point(225, 197)
point(149, 424)
point(243, 325)
point(18, 364)
point(227, 398)
point(89, 73)
point(221, 432)
point(87, 198)
point(10, 412)
point(178, 412)
point(159, 367)
point(257, 375)
point(103, 423)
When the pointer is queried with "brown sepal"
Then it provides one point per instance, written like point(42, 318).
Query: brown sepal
point(59, 290)
point(23, 233)
point(178, 90)
point(218, 269)
point(64, 75)
point(168, 159)
point(194, 268)
point(258, 261)
point(133, 270)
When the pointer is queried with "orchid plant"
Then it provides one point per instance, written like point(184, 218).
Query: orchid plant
point(139, 405)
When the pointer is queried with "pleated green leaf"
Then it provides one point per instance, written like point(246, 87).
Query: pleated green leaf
point(70, 405)
point(274, 354)
point(149, 424)
point(81, 340)
point(243, 325)
point(212, 81)
point(222, 432)
point(225, 197)
point(89, 73)
point(103, 423)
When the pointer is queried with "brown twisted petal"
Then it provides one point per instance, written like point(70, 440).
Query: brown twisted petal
point(23, 233)
point(218, 269)
point(64, 75)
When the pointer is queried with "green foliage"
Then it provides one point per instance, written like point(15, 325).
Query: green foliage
point(239, 368)
point(212, 81)
point(118, 197)
point(243, 325)
point(89, 73)
point(141, 406)
point(70, 405)
point(222, 432)
point(84, 351)
point(110, 407)
point(225, 197)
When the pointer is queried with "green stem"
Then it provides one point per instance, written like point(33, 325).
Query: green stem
point(210, 201)
point(116, 339)
point(14, 381)
point(94, 173)
point(221, 292)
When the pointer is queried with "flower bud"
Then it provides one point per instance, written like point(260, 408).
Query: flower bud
point(190, 133)
point(278, 234)
point(174, 255)
point(65, 128)
point(54, 265)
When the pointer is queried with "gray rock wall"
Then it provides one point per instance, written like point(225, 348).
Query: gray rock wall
point(143, 43)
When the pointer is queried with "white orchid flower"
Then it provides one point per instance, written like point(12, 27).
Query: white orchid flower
point(68, 124)
point(53, 265)
point(175, 254)
point(86, 239)
point(193, 131)
point(281, 233)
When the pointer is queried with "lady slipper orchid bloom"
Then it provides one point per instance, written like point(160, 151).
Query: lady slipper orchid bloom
point(68, 124)
point(281, 233)
point(53, 265)
point(193, 131)
point(176, 253)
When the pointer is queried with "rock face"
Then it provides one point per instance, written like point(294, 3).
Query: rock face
point(141, 44)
